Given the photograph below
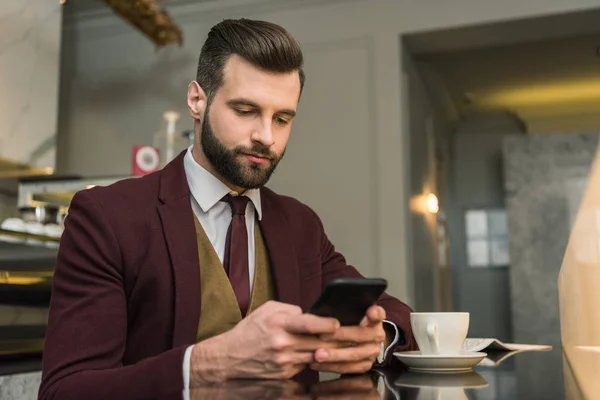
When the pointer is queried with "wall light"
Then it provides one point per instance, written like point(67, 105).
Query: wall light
point(432, 203)
point(583, 90)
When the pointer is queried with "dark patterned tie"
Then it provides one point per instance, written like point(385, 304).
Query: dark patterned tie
point(235, 260)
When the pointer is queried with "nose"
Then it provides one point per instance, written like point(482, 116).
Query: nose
point(264, 133)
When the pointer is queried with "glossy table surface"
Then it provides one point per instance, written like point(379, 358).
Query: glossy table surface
point(527, 375)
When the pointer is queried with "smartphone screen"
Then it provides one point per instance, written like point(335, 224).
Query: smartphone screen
point(347, 299)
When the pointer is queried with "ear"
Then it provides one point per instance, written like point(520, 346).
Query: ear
point(197, 100)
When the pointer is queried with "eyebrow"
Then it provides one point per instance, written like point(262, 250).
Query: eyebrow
point(249, 103)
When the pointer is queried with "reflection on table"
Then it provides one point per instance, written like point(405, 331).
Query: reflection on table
point(527, 375)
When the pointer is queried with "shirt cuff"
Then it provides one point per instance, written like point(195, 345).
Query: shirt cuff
point(187, 360)
point(384, 351)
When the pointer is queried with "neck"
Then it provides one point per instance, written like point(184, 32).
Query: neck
point(201, 159)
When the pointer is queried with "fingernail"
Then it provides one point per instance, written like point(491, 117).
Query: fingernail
point(324, 355)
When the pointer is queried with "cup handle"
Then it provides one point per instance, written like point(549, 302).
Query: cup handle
point(432, 335)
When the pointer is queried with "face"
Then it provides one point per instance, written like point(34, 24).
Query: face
point(229, 163)
point(242, 134)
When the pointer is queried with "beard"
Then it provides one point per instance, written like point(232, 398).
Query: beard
point(232, 164)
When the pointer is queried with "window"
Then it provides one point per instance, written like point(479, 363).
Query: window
point(487, 238)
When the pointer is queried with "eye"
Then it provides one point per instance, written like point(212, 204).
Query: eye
point(242, 112)
point(281, 121)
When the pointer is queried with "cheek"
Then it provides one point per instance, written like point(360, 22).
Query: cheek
point(281, 140)
point(230, 131)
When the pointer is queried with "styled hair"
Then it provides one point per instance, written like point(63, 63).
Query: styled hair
point(265, 45)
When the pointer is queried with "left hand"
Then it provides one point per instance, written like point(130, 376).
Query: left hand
point(359, 345)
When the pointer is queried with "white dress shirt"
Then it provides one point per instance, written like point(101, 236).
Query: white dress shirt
point(215, 216)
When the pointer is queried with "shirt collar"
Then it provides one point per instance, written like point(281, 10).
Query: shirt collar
point(208, 190)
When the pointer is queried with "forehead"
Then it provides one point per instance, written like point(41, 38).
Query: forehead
point(268, 89)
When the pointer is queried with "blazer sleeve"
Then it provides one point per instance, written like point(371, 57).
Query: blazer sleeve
point(334, 266)
point(87, 324)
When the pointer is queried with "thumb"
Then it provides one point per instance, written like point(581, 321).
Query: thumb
point(374, 316)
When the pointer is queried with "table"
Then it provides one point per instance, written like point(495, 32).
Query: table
point(527, 375)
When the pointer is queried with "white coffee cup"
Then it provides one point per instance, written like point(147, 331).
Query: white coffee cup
point(440, 333)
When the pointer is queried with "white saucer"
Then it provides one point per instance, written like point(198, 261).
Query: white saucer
point(455, 363)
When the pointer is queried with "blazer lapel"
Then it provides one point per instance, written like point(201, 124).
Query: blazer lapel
point(278, 239)
point(180, 234)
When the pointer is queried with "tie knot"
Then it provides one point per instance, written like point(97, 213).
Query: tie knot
point(237, 203)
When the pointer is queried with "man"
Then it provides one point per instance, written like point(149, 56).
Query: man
point(198, 273)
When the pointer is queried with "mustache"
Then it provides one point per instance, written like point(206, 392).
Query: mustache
point(257, 150)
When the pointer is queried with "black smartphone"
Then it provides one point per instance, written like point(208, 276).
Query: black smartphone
point(347, 299)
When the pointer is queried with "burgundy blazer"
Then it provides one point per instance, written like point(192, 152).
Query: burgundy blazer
point(126, 291)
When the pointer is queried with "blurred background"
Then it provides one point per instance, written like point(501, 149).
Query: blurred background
point(459, 134)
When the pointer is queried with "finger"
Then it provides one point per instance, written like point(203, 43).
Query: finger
point(284, 372)
point(276, 307)
point(312, 343)
point(343, 368)
point(374, 315)
point(311, 324)
point(358, 334)
point(368, 351)
point(297, 357)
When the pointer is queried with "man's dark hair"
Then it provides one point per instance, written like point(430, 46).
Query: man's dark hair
point(263, 44)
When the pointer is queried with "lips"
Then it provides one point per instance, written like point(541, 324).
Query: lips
point(260, 159)
point(258, 156)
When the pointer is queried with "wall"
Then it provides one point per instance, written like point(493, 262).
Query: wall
point(477, 182)
point(546, 176)
point(29, 66)
point(549, 82)
point(29, 70)
point(429, 134)
point(115, 87)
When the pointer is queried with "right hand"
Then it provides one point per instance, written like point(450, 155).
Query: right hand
point(276, 341)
